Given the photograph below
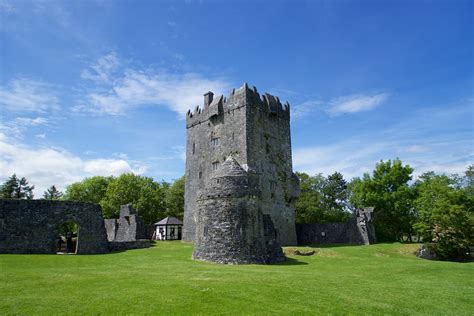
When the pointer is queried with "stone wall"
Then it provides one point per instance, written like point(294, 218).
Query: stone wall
point(329, 233)
point(358, 230)
point(111, 228)
point(128, 231)
point(32, 226)
point(130, 225)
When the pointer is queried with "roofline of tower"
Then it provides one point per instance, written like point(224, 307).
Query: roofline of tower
point(266, 101)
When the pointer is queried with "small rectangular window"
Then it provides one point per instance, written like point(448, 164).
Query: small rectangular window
point(272, 168)
point(215, 165)
point(194, 148)
point(272, 185)
point(215, 141)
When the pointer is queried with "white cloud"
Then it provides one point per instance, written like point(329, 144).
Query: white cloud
point(130, 88)
point(26, 95)
point(44, 167)
point(41, 136)
point(356, 103)
point(16, 127)
point(416, 149)
point(103, 69)
point(349, 158)
point(306, 108)
point(335, 106)
point(426, 140)
point(355, 157)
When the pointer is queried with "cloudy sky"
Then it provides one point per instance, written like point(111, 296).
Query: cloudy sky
point(101, 87)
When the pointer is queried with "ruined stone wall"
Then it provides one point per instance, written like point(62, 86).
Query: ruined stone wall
point(110, 228)
point(329, 233)
point(32, 226)
point(130, 226)
point(255, 131)
point(357, 230)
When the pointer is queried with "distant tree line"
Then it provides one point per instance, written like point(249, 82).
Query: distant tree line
point(436, 209)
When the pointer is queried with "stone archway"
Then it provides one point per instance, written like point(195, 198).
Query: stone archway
point(32, 226)
point(68, 237)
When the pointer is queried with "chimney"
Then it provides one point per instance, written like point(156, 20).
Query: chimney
point(208, 96)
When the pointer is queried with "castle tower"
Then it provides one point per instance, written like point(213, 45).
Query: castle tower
point(231, 228)
point(255, 131)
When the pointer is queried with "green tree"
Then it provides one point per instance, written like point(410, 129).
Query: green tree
point(322, 199)
point(309, 202)
point(90, 190)
point(15, 188)
point(52, 193)
point(469, 187)
point(175, 199)
point(388, 191)
point(444, 216)
point(335, 196)
point(146, 196)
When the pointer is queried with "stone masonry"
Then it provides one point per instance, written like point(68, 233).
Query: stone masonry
point(358, 230)
point(231, 227)
point(255, 130)
point(32, 226)
point(128, 227)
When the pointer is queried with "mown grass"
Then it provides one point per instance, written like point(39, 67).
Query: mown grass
point(377, 279)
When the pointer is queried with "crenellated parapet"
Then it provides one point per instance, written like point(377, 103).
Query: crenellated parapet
point(243, 96)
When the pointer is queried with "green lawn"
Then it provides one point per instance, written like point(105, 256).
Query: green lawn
point(383, 278)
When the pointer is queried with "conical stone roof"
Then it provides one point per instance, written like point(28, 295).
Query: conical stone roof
point(230, 168)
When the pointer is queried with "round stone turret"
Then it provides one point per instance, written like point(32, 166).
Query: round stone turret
point(230, 180)
point(230, 226)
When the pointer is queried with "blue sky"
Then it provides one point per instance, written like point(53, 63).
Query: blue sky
point(101, 87)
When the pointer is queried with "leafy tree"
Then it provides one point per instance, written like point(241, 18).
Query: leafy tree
point(175, 199)
point(146, 196)
point(444, 216)
point(15, 188)
point(335, 196)
point(469, 187)
point(52, 193)
point(387, 190)
point(309, 201)
point(322, 199)
point(88, 190)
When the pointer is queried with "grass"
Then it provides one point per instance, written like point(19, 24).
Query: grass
point(376, 279)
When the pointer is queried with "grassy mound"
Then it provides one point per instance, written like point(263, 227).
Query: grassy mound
point(383, 278)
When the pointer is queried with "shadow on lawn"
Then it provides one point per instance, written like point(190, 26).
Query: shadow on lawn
point(291, 262)
point(327, 245)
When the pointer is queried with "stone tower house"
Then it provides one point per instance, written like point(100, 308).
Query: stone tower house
point(255, 130)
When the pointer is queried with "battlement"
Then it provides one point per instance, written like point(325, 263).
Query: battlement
point(243, 96)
